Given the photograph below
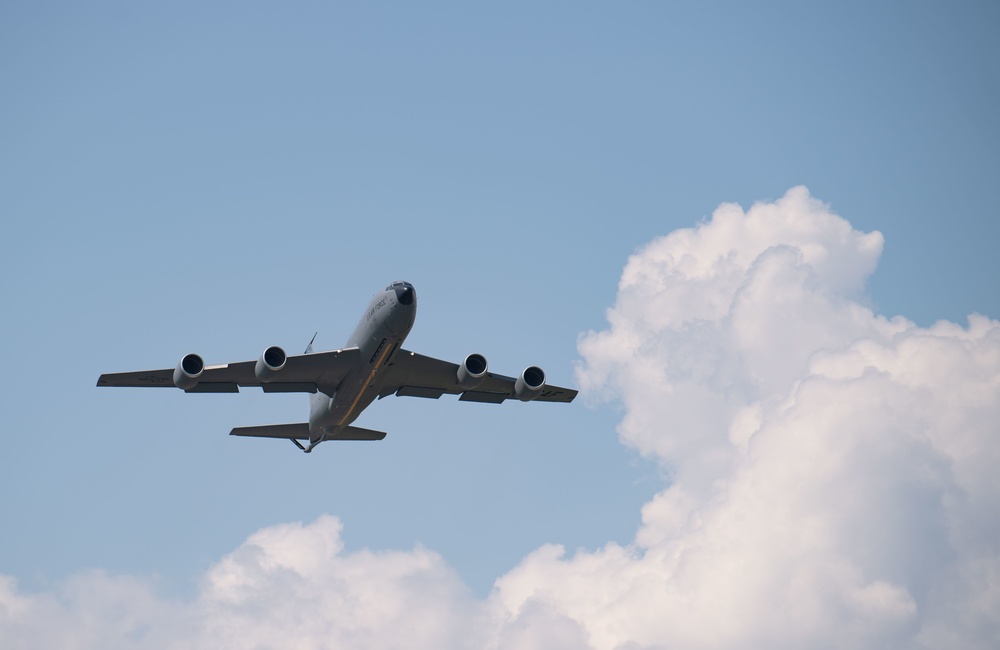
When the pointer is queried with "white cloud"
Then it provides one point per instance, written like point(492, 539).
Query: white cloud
point(89, 610)
point(833, 484)
point(293, 586)
point(834, 478)
point(287, 586)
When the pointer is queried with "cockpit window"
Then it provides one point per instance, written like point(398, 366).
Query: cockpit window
point(404, 292)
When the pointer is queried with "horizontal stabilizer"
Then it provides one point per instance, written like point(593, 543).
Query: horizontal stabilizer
point(300, 431)
point(356, 433)
point(297, 431)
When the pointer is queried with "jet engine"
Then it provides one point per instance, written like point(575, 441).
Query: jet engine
point(529, 385)
point(472, 371)
point(188, 371)
point(270, 364)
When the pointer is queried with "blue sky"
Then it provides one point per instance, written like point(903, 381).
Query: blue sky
point(218, 179)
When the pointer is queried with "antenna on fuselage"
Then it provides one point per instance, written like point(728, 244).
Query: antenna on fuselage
point(309, 348)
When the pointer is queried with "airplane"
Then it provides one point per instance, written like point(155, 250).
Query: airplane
point(342, 383)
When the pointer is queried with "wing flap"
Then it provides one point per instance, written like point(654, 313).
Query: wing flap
point(481, 396)
point(289, 387)
point(214, 387)
point(420, 391)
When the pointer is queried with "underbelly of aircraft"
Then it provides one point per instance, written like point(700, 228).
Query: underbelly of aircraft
point(357, 390)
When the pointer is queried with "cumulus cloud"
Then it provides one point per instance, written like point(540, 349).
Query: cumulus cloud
point(832, 483)
point(293, 586)
point(833, 471)
point(287, 586)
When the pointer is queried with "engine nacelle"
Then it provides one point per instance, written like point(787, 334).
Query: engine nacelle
point(188, 371)
point(472, 371)
point(270, 364)
point(529, 385)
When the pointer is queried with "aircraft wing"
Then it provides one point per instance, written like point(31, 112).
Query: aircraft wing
point(301, 374)
point(416, 375)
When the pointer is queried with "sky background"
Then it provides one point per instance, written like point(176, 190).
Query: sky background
point(217, 179)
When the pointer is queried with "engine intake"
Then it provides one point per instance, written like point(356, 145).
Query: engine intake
point(188, 371)
point(529, 385)
point(472, 371)
point(270, 364)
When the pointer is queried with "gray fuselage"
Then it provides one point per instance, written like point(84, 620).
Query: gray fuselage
point(379, 335)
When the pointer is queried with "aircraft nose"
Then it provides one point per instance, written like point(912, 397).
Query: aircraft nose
point(405, 294)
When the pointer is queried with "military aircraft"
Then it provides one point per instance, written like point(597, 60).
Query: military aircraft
point(344, 382)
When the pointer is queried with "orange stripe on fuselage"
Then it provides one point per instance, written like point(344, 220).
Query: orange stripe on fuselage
point(368, 381)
